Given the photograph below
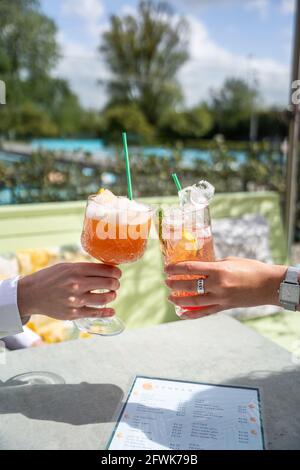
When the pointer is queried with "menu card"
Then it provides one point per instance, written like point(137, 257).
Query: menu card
point(168, 414)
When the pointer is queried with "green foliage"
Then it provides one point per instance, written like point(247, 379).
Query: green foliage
point(272, 123)
point(127, 117)
point(232, 107)
point(45, 177)
point(144, 53)
point(27, 39)
point(91, 123)
point(190, 124)
point(42, 178)
point(37, 104)
point(34, 122)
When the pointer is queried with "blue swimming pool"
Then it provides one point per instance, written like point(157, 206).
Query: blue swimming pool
point(97, 147)
point(69, 145)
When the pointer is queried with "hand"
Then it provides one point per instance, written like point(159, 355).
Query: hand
point(63, 291)
point(229, 283)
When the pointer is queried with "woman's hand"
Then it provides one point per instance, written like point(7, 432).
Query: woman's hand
point(63, 291)
point(229, 283)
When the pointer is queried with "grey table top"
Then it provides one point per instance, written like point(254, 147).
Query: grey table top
point(80, 413)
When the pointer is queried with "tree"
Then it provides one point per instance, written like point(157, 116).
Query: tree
point(64, 107)
point(34, 122)
point(144, 53)
point(232, 107)
point(273, 123)
point(193, 123)
point(91, 123)
point(129, 117)
point(28, 53)
point(27, 40)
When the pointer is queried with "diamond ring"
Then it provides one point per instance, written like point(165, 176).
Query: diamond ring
point(200, 286)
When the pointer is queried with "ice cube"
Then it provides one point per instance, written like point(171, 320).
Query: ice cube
point(199, 194)
point(117, 209)
point(137, 213)
point(185, 196)
point(206, 190)
point(106, 197)
point(95, 211)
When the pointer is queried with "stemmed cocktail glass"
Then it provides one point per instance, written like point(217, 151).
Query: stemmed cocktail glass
point(115, 231)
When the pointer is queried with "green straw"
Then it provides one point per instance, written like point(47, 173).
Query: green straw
point(128, 175)
point(176, 181)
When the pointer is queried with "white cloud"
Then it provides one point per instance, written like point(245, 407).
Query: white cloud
point(288, 6)
point(210, 64)
point(82, 67)
point(81, 64)
point(260, 6)
point(89, 11)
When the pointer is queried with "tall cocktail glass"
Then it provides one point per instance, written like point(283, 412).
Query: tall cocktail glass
point(185, 235)
point(115, 231)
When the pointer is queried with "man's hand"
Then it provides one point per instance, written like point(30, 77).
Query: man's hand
point(229, 283)
point(63, 291)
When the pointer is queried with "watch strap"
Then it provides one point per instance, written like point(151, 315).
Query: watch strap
point(292, 275)
point(288, 306)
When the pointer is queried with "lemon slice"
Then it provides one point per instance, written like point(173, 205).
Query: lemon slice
point(190, 242)
point(185, 249)
point(101, 190)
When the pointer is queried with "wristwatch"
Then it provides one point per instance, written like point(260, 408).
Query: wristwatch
point(289, 291)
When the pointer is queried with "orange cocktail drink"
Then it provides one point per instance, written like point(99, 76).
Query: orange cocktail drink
point(115, 231)
point(185, 235)
point(118, 238)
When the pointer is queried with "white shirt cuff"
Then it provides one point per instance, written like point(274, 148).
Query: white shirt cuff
point(22, 340)
point(10, 320)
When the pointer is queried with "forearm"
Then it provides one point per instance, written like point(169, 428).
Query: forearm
point(25, 300)
point(273, 280)
point(229, 283)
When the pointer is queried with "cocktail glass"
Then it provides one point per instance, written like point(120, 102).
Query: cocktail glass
point(115, 231)
point(185, 235)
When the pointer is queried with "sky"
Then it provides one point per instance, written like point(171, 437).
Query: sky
point(248, 39)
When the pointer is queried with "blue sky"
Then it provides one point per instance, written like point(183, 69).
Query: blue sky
point(248, 39)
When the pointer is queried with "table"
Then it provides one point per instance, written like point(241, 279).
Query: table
point(80, 413)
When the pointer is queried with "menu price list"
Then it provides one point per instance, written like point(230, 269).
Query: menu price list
point(164, 414)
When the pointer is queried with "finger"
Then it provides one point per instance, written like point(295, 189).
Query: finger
point(189, 285)
point(204, 312)
point(98, 269)
point(193, 267)
point(89, 312)
point(93, 283)
point(193, 300)
point(91, 299)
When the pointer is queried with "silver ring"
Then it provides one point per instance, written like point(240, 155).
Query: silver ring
point(200, 286)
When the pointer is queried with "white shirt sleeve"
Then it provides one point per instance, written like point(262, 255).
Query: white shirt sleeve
point(23, 340)
point(10, 320)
